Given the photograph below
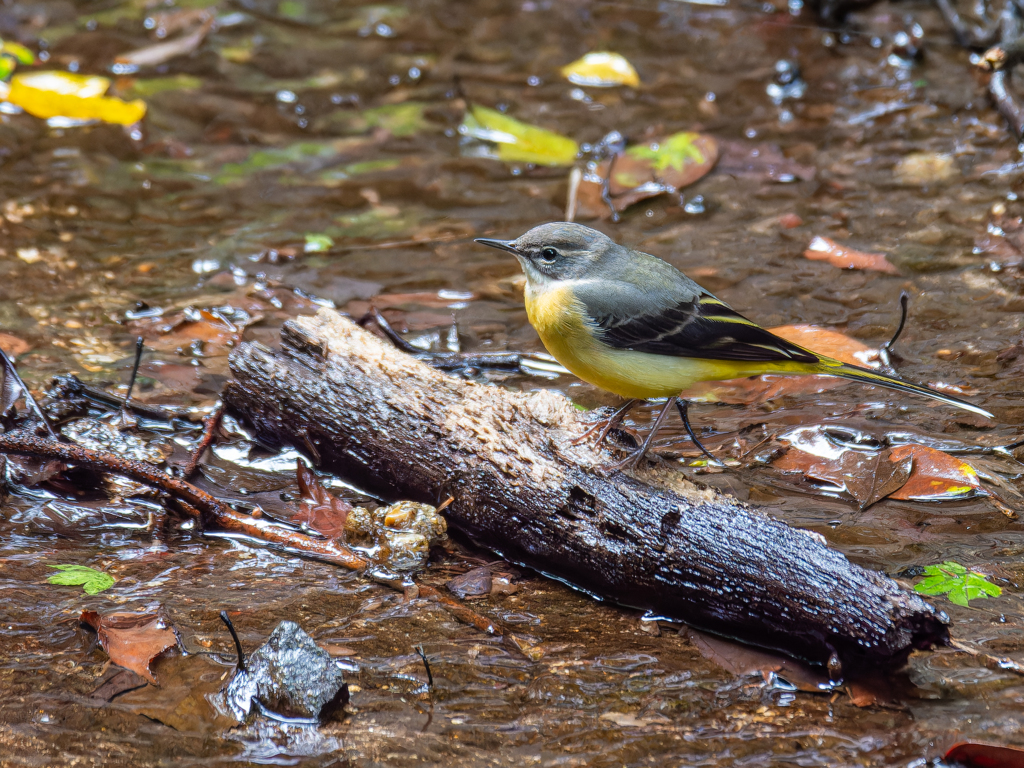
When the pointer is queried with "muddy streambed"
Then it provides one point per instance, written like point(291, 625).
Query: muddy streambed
point(306, 154)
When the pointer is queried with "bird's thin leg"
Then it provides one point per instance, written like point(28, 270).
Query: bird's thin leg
point(684, 414)
point(607, 425)
point(634, 458)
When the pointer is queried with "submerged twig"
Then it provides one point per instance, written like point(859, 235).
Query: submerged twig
point(1006, 102)
point(212, 511)
point(885, 352)
point(128, 421)
point(139, 344)
point(29, 399)
point(445, 361)
point(998, 663)
point(683, 406)
point(571, 202)
point(967, 36)
point(426, 666)
point(210, 425)
point(606, 189)
point(240, 664)
point(70, 385)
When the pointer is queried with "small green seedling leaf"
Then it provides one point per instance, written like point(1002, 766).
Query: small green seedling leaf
point(956, 582)
point(318, 243)
point(19, 52)
point(672, 153)
point(91, 580)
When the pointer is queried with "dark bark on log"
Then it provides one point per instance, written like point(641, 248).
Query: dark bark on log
point(521, 489)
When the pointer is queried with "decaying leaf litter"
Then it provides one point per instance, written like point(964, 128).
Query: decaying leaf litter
point(296, 121)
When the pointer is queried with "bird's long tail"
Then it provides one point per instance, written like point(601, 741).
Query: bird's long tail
point(866, 376)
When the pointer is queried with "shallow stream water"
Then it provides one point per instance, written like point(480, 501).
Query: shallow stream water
point(301, 117)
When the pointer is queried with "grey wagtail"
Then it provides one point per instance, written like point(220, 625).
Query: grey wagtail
point(632, 324)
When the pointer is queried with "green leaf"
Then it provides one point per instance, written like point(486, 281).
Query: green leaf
point(504, 138)
point(90, 579)
point(7, 65)
point(318, 243)
point(144, 89)
point(19, 52)
point(673, 152)
point(956, 582)
point(291, 9)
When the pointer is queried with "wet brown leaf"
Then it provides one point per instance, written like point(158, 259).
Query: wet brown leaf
point(1003, 239)
point(167, 23)
point(115, 682)
point(868, 476)
point(210, 332)
point(645, 171)
point(824, 249)
point(936, 475)
point(131, 640)
point(183, 699)
point(876, 690)
point(761, 162)
point(322, 511)
point(979, 755)
point(152, 55)
point(12, 345)
point(474, 583)
point(745, 660)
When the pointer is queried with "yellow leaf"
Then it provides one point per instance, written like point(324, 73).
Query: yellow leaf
point(79, 97)
point(505, 138)
point(601, 69)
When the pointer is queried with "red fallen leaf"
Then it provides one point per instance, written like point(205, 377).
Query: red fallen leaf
point(647, 170)
point(212, 330)
point(868, 476)
point(761, 162)
point(158, 53)
point(829, 342)
point(936, 475)
point(864, 691)
point(131, 640)
point(12, 345)
point(322, 511)
point(978, 755)
point(824, 249)
point(759, 389)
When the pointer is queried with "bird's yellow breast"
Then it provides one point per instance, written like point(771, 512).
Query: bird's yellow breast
point(570, 336)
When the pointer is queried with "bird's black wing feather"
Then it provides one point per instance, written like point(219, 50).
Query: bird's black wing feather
point(702, 327)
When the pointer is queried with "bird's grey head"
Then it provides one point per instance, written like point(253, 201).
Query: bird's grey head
point(557, 251)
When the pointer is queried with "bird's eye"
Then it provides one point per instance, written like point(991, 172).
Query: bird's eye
point(549, 254)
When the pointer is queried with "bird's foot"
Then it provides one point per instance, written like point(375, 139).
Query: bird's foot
point(605, 425)
point(631, 462)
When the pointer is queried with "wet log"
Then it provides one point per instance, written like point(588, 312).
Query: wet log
point(650, 540)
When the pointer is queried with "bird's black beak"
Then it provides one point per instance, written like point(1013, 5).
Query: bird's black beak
point(503, 245)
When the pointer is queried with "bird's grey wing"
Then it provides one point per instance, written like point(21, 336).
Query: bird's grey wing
point(689, 322)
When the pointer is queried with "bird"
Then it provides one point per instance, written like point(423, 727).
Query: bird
point(634, 325)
